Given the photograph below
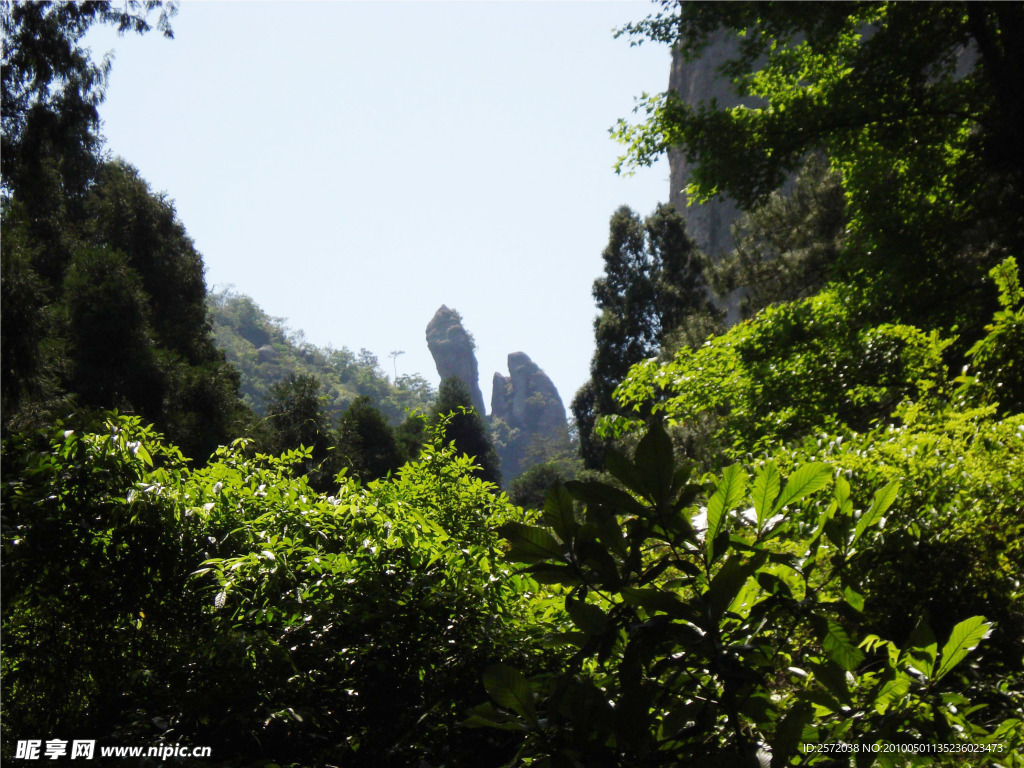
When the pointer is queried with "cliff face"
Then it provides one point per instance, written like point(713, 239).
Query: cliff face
point(533, 415)
point(527, 419)
point(527, 399)
point(709, 224)
point(698, 81)
point(453, 350)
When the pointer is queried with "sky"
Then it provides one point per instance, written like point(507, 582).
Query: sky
point(352, 166)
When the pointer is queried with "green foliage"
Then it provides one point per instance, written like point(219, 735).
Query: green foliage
point(653, 280)
point(97, 552)
point(787, 247)
point(265, 352)
point(123, 214)
point(295, 420)
point(365, 442)
point(26, 321)
point(466, 428)
point(952, 541)
point(720, 635)
point(793, 369)
point(361, 618)
point(108, 320)
point(121, 318)
point(110, 273)
point(998, 374)
point(52, 89)
point(530, 488)
point(234, 606)
point(916, 106)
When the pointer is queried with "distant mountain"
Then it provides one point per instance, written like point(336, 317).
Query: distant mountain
point(527, 421)
point(265, 351)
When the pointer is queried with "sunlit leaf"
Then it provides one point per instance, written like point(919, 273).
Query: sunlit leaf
point(962, 640)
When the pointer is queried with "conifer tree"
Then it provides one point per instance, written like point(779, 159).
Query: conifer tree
point(365, 443)
point(467, 429)
point(653, 279)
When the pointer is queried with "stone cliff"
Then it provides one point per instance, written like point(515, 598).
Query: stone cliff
point(709, 224)
point(533, 426)
point(699, 81)
point(453, 350)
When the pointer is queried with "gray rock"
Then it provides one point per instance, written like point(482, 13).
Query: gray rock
point(709, 224)
point(453, 350)
point(536, 405)
point(533, 413)
point(501, 397)
point(699, 81)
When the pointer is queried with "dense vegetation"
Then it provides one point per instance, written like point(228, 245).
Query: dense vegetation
point(265, 353)
point(803, 529)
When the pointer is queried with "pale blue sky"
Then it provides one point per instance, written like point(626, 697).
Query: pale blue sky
point(353, 166)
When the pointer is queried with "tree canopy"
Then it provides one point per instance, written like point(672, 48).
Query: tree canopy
point(915, 107)
point(653, 280)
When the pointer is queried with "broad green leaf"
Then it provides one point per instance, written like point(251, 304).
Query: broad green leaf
point(745, 598)
point(486, 716)
point(586, 616)
point(546, 573)
point(838, 645)
point(727, 583)
point(842, 495)
point(624, 470)
point(726, 497)
point(507, 686)
point(853, 598)
point(805, 481)
point(655, 464)
point(598, 494)
point(559, 513)
point(529, 543)
point(789, 733)
point(962, 640)
point(893, 690)
point(834, 679)
point(765, 490)
point(884, 497)
point(653, 600)
point(922, 648)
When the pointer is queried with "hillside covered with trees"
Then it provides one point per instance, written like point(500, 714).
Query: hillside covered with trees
point(793, 541)
point(265, 352)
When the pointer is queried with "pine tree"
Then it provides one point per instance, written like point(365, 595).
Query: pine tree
point(653, 280)
point(365, 442)
point(466, 428)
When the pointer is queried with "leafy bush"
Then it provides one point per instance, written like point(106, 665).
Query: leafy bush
point(998, 372)
point(793, 369)
point(360, 620)
point(719, 636)
point(234, 606)
point(98, 552)
point(953, 539)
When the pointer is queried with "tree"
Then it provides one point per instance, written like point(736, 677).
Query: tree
point(109, 332)
point(120, 317)
point(653, 280)
point(123, 213)
point(466, 428)
point(114, 279)
point(720, 634)
point(787, 247)
point(915, 106)
point(295, 415)
point(530, 488)
point(51, 91)
point(365, 442)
